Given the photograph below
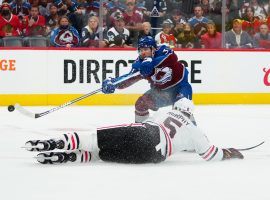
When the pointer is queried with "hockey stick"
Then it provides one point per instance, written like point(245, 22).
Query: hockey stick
point(248, 148)
point(25, 112)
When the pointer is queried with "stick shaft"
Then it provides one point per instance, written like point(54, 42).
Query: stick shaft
point(37, 115)
point(248, 148)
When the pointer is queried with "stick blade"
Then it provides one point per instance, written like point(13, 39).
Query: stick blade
point(24, 111)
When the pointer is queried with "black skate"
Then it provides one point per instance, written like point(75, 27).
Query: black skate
point(231, 153)
point(44, 145)
point(69, 141)
point(56, 157)
point(64, 157)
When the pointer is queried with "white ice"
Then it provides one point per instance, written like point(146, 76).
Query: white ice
point(183, 176)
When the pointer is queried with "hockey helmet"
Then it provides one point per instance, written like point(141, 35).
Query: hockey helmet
point(184, 105)
point(147, 42)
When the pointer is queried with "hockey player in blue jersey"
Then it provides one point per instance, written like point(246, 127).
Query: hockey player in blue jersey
point(168, 78)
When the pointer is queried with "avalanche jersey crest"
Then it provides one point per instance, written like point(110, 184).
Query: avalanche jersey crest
point(162, 75)
point(65, 37)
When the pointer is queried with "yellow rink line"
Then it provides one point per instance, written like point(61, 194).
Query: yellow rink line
point(129, 99)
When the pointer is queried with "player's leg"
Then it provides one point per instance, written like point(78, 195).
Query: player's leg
point(70, 141)
point(143, 104)
point(135, 143)
point(153, 99)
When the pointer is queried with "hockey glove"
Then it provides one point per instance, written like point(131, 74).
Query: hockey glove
point(107, 86)
point(146, 67)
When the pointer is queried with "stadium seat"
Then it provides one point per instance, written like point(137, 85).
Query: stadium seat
point(37, 41)
point(12, 41)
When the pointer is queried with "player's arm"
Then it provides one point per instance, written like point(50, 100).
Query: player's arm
point(109, 87)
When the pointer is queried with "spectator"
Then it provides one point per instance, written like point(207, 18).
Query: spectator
point(146, 30)
point(79, 18)
point(133, 19)
point(34, 24)
point(266, 7)
point(234, 10)
point(65, 35)
point(92, 7)
point(44, 8)
point(250, 23)
point(262, 39)
point(116, 5)
point(198, 22)
point(20, 8)
point(177, 17)
point(187, 38)
point(91, 33)
point(212, 39)
point(66, 6)
point(173, 4)
point(237, 38)
point(206, 8)
point(34, 3)
point(52, 19)
point(258, 10)
point(216, 14)
point(178, 20)
point(155, 12)
point(118, 35)
point(188, 6)
point(165, 36)
point(140, 4)
point(9, 23)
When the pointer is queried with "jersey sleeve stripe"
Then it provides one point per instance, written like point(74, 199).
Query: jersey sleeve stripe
point(208, 152)
point(168, 140)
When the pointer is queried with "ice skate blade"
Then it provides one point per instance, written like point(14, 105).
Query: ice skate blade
point(33, 147)
point(43, 158)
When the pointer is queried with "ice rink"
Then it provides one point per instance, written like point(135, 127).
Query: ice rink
point(183, 176)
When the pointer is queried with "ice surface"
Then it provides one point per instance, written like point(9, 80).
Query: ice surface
point(184, 176)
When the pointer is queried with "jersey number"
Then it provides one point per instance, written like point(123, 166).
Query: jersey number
point(171, 124)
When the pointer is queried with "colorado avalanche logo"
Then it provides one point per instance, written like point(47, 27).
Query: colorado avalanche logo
point(162, 75)
point(266, 77)
point(66, 37)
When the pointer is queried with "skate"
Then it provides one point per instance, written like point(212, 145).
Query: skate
point(64, 157)
point(68, 141)
point(44, 145)
point(231, 153)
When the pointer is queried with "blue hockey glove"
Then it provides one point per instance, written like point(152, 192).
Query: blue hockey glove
point(107, 86)
point(146, 67)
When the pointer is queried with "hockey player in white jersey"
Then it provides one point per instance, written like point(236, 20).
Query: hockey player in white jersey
point(152, 141)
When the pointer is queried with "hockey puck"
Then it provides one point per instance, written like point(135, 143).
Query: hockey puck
point(11, 108)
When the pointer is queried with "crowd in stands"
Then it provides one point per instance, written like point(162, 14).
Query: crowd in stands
point(120, 23)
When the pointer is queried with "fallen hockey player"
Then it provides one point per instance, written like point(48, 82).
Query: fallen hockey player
point(152, 141)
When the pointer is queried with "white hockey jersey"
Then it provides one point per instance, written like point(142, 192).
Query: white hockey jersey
point(178, 133)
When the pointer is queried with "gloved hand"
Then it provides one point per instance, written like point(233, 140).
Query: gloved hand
point(146, 67)
point(107, 86)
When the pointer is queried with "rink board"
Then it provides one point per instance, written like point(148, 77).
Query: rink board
point(52, 77)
